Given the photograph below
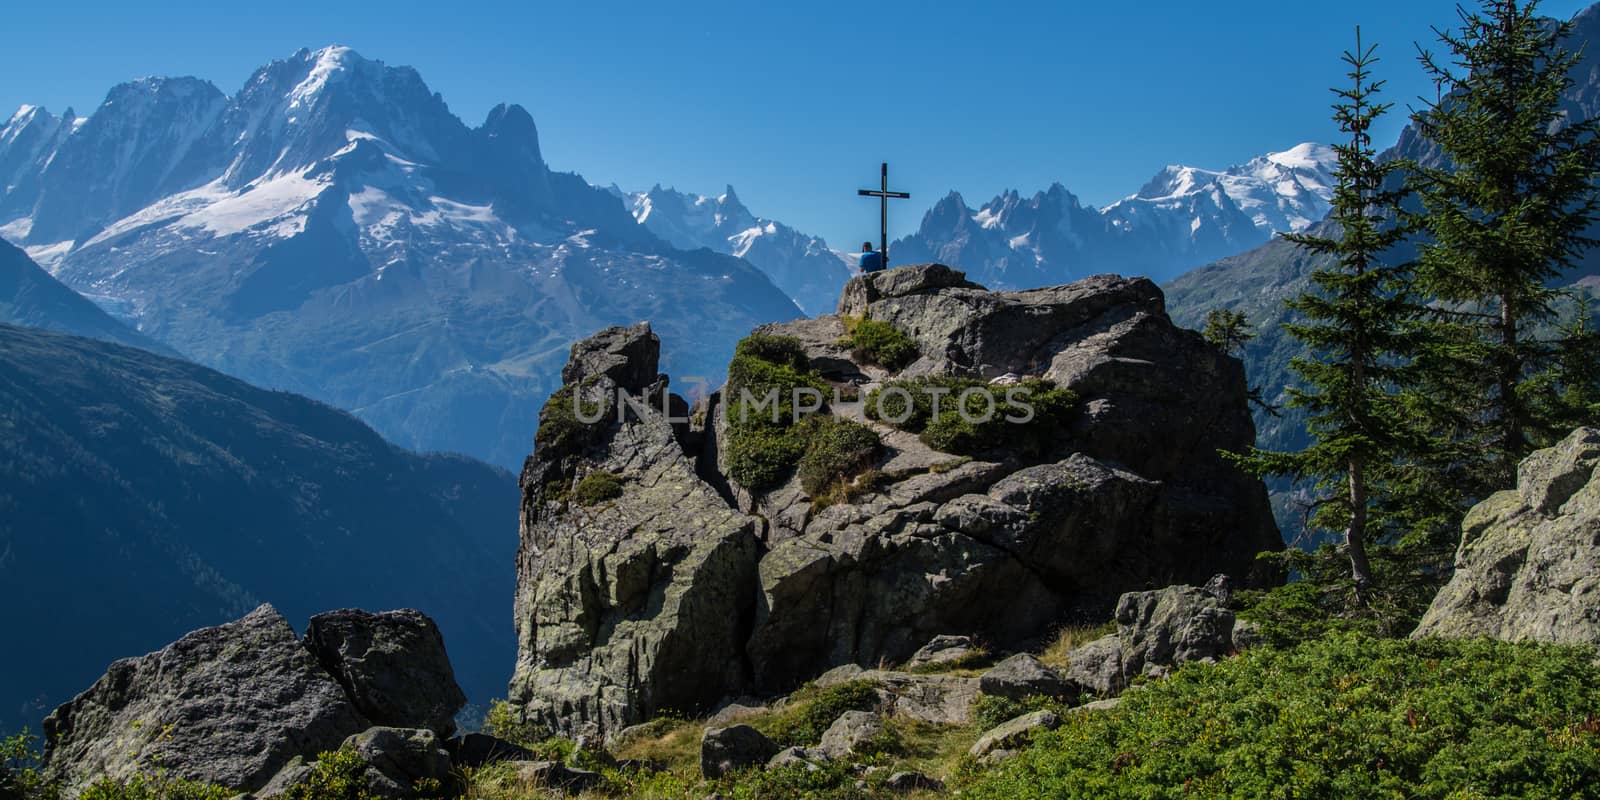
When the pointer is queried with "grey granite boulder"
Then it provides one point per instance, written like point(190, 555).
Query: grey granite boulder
point(556, 775)
point(723, 750)
point(1156, 630)
point(230, 705)
point(942, 649)
point(402, 761)
point(1011, 734)
point(1528, 567)
point(849, 732)
point(1021, 676)
point(392, 665)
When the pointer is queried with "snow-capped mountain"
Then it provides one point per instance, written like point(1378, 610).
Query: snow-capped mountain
point(333, 229)
point(801, 265)
point(1183, 217)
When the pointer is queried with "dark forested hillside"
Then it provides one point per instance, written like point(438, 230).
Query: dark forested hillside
point(142, 497)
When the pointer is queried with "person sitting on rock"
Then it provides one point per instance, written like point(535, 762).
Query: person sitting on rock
point(870, 261)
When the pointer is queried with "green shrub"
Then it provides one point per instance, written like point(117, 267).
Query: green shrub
point(761, 457)
point(779, 350)
point(337, 775)
point(560, 431)
point(989, 711)
point(811, 710)
point(597, 487)
point(886, 405)
point(505, 721)
point(763, 447)
point(832, 780)
point(1322, 599)
point(835, 450)
point(878, 342)
point(1046, 408)
point(20, 778)
point(144, 787)
point(1348, 716)
point(950, 433)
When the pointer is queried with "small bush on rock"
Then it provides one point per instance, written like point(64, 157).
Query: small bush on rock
point(878, 342)
point(596, 488)
point(972, 417)
point(811, 710)
point(836, 449)
point(505, 722)
point(560, 431)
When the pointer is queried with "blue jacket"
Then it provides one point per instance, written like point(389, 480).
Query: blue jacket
point(872, 262)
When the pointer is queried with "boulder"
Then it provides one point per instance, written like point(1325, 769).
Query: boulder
point(480, 749)
point(723, 750)
point(391, 664)
point(850, 731)
point(938, 699)
point(1528, 566)
point(1014, 733)
point(792, 756)
point(400, 760)
point(1097, 666)
point(1156, 631)
point(689, 589)
point(555, 775)
point(1022, 676)
point(942, 650)
point(230, 705)
point(912, 782)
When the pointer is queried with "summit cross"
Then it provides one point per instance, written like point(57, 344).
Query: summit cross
point(884, 195)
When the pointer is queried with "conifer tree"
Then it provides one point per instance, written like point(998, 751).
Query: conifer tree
point(1354, 323)
point(1504, 213)
point(1227, 329)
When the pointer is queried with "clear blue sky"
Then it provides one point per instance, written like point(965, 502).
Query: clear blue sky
point(796, 103)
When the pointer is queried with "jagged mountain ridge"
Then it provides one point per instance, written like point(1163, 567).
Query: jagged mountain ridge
point(801, 265)
point(333, 229)
point(1181, 218)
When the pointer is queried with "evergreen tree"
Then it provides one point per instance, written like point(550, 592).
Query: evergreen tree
point(1504, 214)
point(1355, 323)
point(1228, 330)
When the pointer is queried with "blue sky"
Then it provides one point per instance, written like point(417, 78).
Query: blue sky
point(795, 104)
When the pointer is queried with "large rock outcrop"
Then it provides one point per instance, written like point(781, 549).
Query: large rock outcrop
point(640, 602)
point(229, 705)
point(1133, 496)
point(391, 664)
point(1528, 567)
point(247, 706)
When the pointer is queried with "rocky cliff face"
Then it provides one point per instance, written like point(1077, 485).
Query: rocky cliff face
point(648, 580)
point(1528, 567)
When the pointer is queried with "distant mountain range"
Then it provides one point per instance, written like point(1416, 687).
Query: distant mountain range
point(333, 230)
point(1182, 218)
point(143, 496)
point(800, 265)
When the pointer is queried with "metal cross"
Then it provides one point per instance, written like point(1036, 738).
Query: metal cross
point(883, 194)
